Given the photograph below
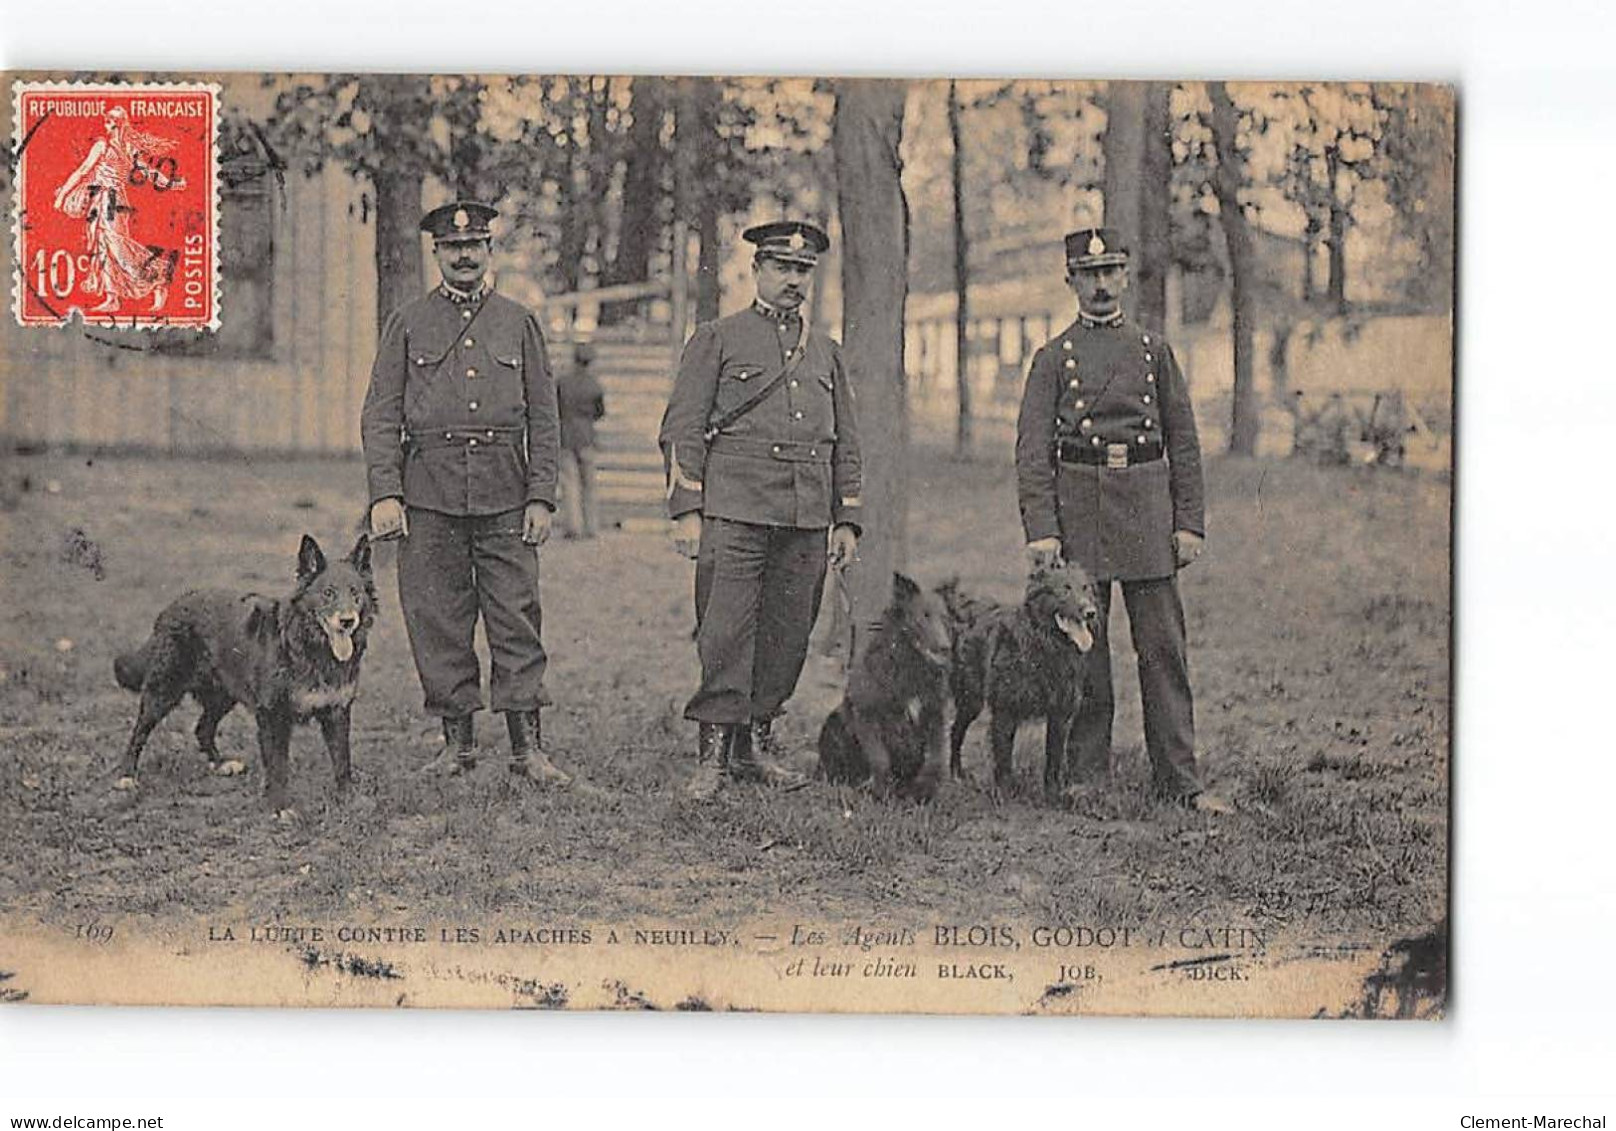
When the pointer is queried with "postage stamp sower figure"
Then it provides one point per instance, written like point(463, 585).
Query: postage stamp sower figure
point(116, 212)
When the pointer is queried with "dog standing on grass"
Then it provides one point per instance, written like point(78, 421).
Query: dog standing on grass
point(889, 727)
point(288, 660)
point(1023, 662)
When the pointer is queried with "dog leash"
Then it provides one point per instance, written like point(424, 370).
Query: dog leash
point(845, 594)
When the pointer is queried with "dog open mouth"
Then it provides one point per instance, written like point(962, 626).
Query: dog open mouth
point(1075, 631)
point(340, 637)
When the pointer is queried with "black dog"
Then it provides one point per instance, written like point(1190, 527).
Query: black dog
point(288, 660)
point(1024, 662)
point(889, 727)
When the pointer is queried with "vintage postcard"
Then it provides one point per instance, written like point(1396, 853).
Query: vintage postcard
point(697, 543)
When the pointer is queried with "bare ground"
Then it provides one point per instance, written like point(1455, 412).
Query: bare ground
point(1319, 623)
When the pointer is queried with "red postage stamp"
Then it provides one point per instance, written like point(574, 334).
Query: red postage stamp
point(116, 204)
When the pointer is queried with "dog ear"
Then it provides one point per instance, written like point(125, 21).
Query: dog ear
point(359, 556)
point(310, 558)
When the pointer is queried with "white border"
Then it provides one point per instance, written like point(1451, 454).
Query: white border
point(1534, 785)
point(31, 86)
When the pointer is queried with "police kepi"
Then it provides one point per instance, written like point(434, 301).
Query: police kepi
point(464, 221)
point(788, 241)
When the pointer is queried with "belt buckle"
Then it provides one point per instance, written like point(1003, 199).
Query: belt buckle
point(1116, 455)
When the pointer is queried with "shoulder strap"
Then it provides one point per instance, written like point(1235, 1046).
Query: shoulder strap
point(460, 332)
point(792, 360)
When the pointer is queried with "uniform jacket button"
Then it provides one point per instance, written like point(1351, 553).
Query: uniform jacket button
point(1080, 404)
point(1086, 422)
point(1066, 344)
point(448, 435)
point(466, 315)
point(1147, 422)
point(1142, 439)
point(797, 415)
point(1095, 440)
point(490, 435)
point(1150, 378)
point(468, 343)
point(471, 372)
point(472, 442)
point(1147, 398)
point(1070, 364)
point(472, 406)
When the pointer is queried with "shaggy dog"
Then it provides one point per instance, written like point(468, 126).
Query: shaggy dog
point(287, 660)
point(1023, 662)
point(889, 727)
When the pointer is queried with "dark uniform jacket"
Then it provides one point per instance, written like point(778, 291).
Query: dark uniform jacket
point(582, 401)
point(794, 459)
point(461, 413)
point(1107, 456)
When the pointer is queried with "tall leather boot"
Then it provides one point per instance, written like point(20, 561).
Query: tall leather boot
point(459, 749)
point(528, 759)
point(755, 756)
point(712, 758)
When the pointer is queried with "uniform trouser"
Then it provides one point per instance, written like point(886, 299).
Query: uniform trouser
point(450, 569)
point(1156, 619)
point(578, 490)
point(757, 594)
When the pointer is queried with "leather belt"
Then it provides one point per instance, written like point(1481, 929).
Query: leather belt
point(463, 437)
point(1075, 450)
point(789, 451)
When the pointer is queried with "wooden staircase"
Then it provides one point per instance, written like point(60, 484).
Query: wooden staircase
point(635, 359)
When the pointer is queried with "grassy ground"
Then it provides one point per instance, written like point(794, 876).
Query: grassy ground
point(1319, 631)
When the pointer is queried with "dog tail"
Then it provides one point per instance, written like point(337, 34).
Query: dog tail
point(130, 667)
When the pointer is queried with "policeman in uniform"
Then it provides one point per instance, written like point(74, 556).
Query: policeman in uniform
point(1108, 472)
point(460, 438)
point(762, 456)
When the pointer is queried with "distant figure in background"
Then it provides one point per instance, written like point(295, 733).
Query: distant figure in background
point(582, 402)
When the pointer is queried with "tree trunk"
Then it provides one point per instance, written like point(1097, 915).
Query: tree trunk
point(1123, 144)
point(574, 228)
point(1137, 188)
point(1155, 255)
point(599, 165)
point(865, 137)
point(640, 223)
point(398, 242)
point(1279, 362)
point(707, 292)
point(695, 199)
point(1312, 234)
point(1226, 183)
point(963, 439)
point(1336, 288)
